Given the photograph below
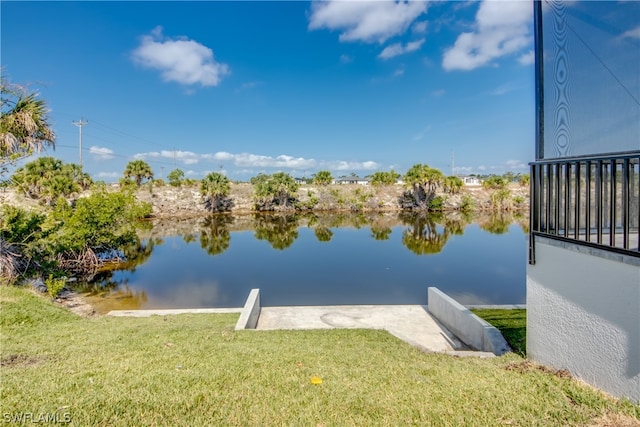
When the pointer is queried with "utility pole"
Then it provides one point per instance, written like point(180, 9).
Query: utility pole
point(80, 124)
point(453, 169)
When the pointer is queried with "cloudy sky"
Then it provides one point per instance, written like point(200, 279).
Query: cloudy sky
point(249, 87)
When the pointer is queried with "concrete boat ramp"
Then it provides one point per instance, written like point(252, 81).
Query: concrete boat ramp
point(410, 323)
point(444, 326)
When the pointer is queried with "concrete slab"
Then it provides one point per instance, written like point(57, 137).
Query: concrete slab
point(166, 312)
point(411, 323)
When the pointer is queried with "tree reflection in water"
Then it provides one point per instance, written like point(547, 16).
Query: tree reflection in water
point(425, 235)
point(497, 223)
point(279, 230)
point(214, 234)
point(323, 234)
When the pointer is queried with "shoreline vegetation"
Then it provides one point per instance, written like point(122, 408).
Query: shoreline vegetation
point(186, 201)
point(57, 222)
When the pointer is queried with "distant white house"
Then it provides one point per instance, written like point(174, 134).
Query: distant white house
point(471, 180)
point(352, 180)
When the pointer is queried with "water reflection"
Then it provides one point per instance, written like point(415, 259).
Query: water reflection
point(279, 230)
point(334, 257)
point(214, 234)
point(425, 235)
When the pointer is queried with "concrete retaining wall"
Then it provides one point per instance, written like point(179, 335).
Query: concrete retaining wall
point(468, 327)
point(251, 311)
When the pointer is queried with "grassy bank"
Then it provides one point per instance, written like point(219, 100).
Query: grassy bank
point(196, 370)
point(511, 323)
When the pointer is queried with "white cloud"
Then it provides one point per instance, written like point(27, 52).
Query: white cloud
point(419, 27)
point(179, 60)
point(503, 89)
point(397, 49)
point(346, 59)
point(398, 72)
point(101, 153)
point(368, 21)
point(108, 175)
point(516, 164)
point(438, 92)
point(186, 157)
point(527, 58)
point(342, 165)
point(501, 28)
point(632, 34)
point(250, 161)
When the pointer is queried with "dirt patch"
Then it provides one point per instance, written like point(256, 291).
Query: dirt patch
point(21, 361)
point(76, 304)
point(528, 366)
point(615, 420)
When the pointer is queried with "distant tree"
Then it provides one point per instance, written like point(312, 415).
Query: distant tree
point(384, 178)
point(452, 184)
point(138, 171)
point(423, 180)
point(323, 178)
point(495, 182)
point(176, 177)
point(47, 178)
point(24, 126)
point(215, 190)
point(277, 189)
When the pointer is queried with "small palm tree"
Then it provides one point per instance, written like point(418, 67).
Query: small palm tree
point(215, 189)
point(323, 178)
point(138, 170)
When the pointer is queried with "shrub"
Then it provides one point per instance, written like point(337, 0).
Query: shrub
point(54, 286)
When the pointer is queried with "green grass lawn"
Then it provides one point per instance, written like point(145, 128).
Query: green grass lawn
point(511, 323)
point(195, 370)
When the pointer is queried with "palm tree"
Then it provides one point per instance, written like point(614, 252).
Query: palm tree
point(453, 184)
point(138, 170)
point(424, 180)
point(24, 126)
point(215, 189)
point(323, 178)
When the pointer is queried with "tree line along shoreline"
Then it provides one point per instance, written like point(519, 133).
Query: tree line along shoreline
point(56, 221)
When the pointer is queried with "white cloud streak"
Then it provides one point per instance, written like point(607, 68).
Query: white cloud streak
point(101, 153)
point(527, 58)
point(368, 21)
point(632, 34)
point(249, 160)
point(179, 60)
point(397, 49)
point(501, 28)
point(108, 175)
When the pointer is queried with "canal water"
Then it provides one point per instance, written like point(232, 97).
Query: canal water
point(325, 259)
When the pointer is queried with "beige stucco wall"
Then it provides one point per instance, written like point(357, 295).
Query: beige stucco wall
point(583, 314)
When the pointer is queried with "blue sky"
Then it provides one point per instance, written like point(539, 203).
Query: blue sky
point(249, 87)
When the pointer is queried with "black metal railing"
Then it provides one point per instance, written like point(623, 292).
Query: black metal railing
point(592, 201)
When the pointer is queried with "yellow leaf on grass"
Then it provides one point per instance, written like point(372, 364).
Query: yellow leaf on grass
point(316, 380)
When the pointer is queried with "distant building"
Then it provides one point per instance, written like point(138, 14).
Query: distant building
point(471, 180)
point(352, 180)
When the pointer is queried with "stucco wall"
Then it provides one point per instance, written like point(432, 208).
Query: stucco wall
point(583, 314)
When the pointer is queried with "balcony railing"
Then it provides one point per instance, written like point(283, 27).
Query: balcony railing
point(589, 201)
